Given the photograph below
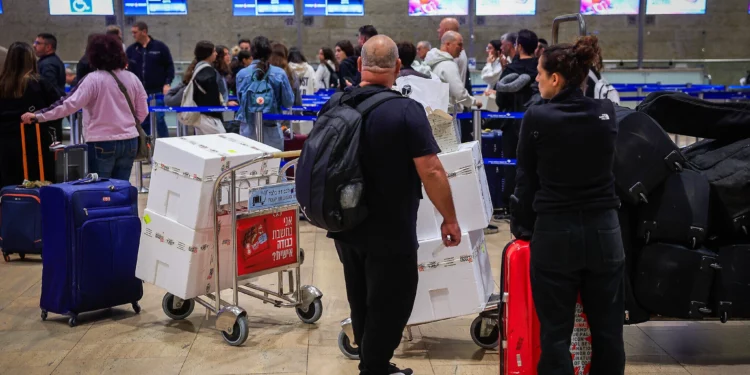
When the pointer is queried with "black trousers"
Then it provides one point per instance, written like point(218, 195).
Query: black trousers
point(574, 253)
point(381, 285)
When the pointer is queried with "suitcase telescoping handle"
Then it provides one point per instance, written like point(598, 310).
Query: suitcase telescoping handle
point(567, 18)
point(39, 152)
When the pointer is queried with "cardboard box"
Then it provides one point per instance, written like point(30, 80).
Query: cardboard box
point(453, 281)
point(185, 169)
point(471, 195)
point(179, 259)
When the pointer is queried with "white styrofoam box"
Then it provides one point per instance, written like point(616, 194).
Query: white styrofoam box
point(471, 195)
point(488, 102)
point(185, 169)
point(179, 259)
point(302, 127)
point(453, 281)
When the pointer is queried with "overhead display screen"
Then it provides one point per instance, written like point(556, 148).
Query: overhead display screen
point(439, 7)
point(676, 7)
point(263, 7)
point(506, 7)
point(154, 7)
point(81, 8)
point(1, 6)
point(609, 7)
point(333, 7)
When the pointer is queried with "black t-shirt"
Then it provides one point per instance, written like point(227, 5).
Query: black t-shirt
point(395, 133)
point(566, 153)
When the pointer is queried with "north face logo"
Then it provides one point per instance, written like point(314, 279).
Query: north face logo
point(604, 117)
point(406, 90)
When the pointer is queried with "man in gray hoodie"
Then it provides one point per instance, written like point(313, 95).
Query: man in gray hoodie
point(443, 65)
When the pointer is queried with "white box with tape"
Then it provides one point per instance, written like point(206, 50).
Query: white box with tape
point(453, 281)
point(471, 195)
point(181, 260)
point(185, 169)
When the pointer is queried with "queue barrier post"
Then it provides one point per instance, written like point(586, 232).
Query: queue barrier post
point(259, 126)
point(476, 120)
point(139, 177)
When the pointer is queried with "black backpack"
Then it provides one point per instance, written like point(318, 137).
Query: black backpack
point(329, 181)
point(334, 81)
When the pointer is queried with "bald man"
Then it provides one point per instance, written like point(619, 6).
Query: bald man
point(444, 66)
point(451, 24)
point(398, 154)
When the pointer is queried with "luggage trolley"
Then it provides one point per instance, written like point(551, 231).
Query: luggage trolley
point(272, 218)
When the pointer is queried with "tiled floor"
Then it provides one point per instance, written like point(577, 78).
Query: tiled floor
point(119, 342)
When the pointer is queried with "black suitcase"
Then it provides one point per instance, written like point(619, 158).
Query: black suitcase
point(726, 165)
point(644, 156)
point(677, 211)
point(674, 281)
point(634, 313)
point(733, 282)
point(681, 113)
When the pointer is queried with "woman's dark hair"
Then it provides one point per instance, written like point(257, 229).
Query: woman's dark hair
point(528, 40)
point(328, 55)
point(497, 44)
point(203, 50)
point(244, 55)
point(573, 62)
point(105, 53)
point(19, 67)
point(280, 58)
point(261, 51)
point(220, 65)
point(296, 56)
point(407, 53)
point(346, 46)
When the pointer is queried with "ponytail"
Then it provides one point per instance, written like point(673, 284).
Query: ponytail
point(261, 50)
point(573, 62)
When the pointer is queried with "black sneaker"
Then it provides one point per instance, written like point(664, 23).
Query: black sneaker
point(491, 229)
point(393, 370)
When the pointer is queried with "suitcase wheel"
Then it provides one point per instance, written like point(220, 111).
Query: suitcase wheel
point(73, 321)
point(136, 307)
point(6, 257)
point(488, 341)
point(346, 347)
point(44, 315)
point(724, 317)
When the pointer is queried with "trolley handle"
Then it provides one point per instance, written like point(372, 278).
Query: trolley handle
point(286, 154)
point(567, 18)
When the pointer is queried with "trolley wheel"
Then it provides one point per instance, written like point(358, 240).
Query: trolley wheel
point(6, 257)
point(724, 317)
point(240, 331)
point(22, 256)
point(73, 321)
point(136, 307)
point(177, 314)
point(346, 347)
point(486, 342)
point(44, 315)
point(313, 314)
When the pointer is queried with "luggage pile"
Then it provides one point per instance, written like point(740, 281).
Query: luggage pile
point(686, 212)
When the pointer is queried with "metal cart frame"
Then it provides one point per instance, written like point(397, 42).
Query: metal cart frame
point(232, 319)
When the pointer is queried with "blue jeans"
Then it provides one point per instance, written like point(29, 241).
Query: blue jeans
point(113, 159)
point(161, 125)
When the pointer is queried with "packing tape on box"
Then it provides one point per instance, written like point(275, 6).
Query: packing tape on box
point(453, 261)
point(467, 170)
point(242, 175)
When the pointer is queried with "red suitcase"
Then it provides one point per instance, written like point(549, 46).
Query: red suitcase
point(520, 336)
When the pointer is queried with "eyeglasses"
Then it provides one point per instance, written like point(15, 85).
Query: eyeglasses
point(36, 43)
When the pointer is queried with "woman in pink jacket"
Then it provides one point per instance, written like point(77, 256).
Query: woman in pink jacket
point(109, 124)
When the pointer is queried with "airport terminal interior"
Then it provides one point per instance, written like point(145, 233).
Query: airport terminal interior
point(697, 48)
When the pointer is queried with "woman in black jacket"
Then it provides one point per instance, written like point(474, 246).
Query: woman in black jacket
point(347, 64)
point(206, 91)
point(23, 90)
point(565, 158)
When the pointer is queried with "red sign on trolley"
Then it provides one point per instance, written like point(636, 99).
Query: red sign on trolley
point(266, 241)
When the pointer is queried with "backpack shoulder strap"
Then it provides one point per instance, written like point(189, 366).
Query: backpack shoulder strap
point(593, 77)
point(375, 100)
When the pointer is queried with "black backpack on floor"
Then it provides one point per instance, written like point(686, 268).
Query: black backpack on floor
point(329, 181)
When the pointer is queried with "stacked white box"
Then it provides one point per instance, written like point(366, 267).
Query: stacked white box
point(185, 169)
point(180, 259)
point(453, 281)
point(471, 195)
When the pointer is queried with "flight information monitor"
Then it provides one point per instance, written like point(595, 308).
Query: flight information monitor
point(609, 7)
point(333, 7)
point(1, 6)
point(439, 7)
point(154, 7)
point(263, 7)
point(81, 8)
point(676, 7)
point(506, 7)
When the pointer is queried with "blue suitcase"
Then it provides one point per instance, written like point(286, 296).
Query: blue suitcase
point(492, 148)
point(20, 222)
point(91, 230)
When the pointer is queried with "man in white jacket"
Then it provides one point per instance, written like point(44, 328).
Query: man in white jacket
point(446, 25)
point(443, 65)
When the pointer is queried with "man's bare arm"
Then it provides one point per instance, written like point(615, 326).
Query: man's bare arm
point(435, 181)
